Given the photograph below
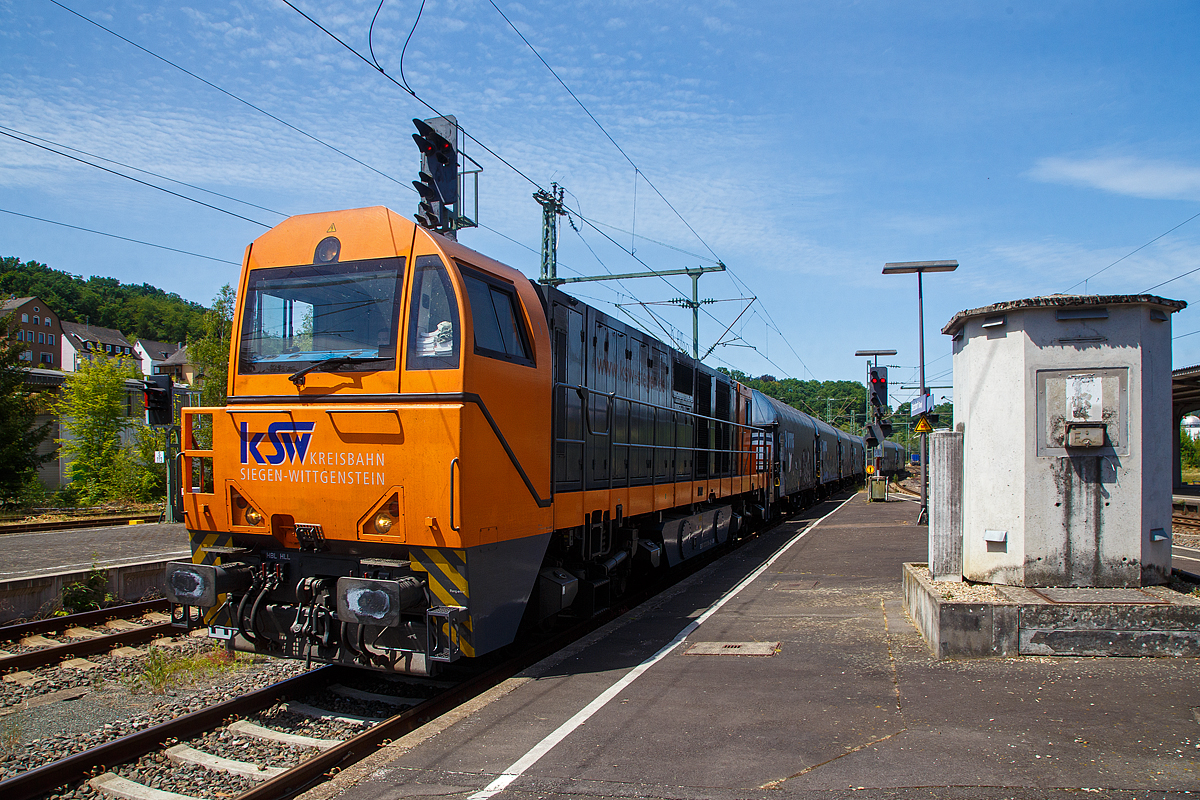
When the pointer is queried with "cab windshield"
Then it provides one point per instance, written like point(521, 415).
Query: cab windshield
point(298, 316)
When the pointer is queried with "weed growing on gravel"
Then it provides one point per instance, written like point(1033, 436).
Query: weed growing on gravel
point(163, 669)
point(10, 738)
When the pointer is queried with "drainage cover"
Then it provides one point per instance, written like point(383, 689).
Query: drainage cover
point(1100, 596)
point(733, 649)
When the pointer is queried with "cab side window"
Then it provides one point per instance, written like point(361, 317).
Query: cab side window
point(433, 318)
point(496, 318)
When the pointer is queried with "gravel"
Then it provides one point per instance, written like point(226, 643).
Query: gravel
point(25, 754)
point(965, 592)
point(109, 668)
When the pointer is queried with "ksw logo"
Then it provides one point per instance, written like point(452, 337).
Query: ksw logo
point(290, 440)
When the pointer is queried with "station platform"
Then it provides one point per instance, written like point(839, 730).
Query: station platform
point(845, 700)
point(34, 567)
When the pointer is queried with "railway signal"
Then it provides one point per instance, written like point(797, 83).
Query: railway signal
point(438, 183)
point(877, 377)
point(157, 391)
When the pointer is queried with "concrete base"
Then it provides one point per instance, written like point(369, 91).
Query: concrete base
point(26, 598)
point(1025, 623)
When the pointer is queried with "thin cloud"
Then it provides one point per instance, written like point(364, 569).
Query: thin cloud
point(1163, 180)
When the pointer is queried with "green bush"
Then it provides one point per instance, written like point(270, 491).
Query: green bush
point(89, 594)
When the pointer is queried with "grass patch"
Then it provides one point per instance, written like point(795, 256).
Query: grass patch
point(10, 737)
point(163, 668)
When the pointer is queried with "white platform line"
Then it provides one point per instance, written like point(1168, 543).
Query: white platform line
point(547, 744)
point(1185, 558)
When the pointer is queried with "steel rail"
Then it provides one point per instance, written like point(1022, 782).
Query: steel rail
point(52, 624)
point(45, 779)
point(85, 647)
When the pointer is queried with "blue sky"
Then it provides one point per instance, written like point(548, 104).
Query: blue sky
point(803, 144)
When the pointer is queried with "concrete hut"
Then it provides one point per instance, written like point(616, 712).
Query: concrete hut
point(1064, 403)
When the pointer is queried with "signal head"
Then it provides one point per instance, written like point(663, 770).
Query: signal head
point(433, 144)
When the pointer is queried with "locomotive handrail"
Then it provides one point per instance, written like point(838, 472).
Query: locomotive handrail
point(453, 462)
point(584, 395)
point(741, 425)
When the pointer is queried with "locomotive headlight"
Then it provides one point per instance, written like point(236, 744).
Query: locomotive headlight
point(383, 522)
point(253, 517)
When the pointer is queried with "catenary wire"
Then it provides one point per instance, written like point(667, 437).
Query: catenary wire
point(410, 91)
point(1171, 280)
point(231, 95)
point(1127, 255)
point(115, 236)
point(131, 178)
point(143, 171)
point(379, 172)
point(636, 169)
point(255, 108)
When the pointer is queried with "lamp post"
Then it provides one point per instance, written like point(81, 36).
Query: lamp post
point(921, 267)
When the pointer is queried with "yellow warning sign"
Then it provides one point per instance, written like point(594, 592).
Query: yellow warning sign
point(870, 469)
point(923, 426)
point(332, 228)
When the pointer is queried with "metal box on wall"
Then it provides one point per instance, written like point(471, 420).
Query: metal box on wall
point(1065, 406)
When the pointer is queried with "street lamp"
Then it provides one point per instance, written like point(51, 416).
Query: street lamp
point(921, 267)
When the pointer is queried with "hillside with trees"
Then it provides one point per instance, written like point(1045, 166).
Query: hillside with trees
point(139, 312)
point(839, 403)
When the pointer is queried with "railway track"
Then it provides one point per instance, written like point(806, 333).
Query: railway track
point(300, 729)
point(78, 635)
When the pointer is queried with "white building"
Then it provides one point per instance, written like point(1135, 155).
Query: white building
point(153, 354)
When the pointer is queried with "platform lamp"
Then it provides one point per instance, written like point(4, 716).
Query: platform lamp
point(921, 267)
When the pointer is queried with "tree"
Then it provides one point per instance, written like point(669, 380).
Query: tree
point(1189, 452)
point(19, 436)
point(843, 401)
point(143, 311)
point(94, 411)
point(210, 351)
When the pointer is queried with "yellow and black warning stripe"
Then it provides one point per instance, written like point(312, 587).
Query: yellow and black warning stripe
point(201, 540)
point(447, 573)
point(447, 570)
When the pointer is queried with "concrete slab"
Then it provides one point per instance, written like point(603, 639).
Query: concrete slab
point(1153, 621)
point(183, 754)
point(255, 731)
point(114, 785)
point(23, 678)
point(81, 633)
point(38, 640)
point(81, 664)
point(852, 703)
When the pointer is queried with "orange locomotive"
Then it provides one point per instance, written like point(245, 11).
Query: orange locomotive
point(422, 449)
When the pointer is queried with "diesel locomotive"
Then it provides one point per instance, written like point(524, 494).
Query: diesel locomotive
point(422, 451)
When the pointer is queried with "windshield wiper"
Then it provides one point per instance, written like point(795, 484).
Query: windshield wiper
point(324, 366)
